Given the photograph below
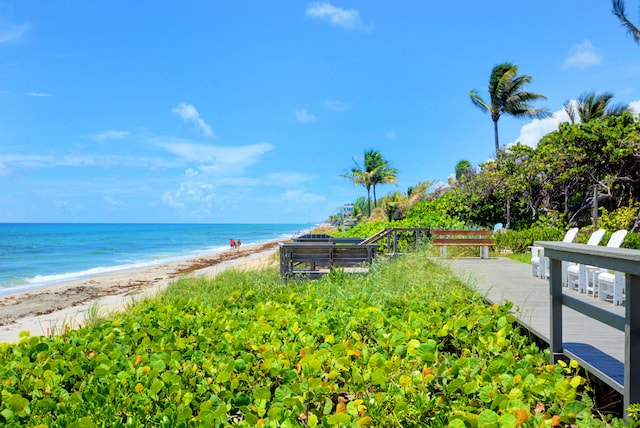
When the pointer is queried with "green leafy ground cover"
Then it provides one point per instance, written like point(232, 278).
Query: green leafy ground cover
point(406, 345)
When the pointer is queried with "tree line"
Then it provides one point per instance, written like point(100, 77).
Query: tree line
point(590, 164)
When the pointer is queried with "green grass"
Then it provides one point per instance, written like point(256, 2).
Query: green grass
point(520, 257)
point(406, 345)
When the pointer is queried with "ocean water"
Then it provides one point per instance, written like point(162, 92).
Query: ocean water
point(35, 255)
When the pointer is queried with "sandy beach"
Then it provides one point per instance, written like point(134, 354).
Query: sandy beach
point(51, 309)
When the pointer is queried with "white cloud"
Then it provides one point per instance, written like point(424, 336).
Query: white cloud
point(303, 116)
point(196, 191)
point(10, 32)
point(190, 115)
point(190, 172)
point(88, 160)
point(60, 203)
point(337, 105)
point(38, 94)
point(28, 161)
point(301, 196)
point(583, 55)
point(635, 107)
point(239, 182)
point(169, 199)
point(390, 134)
point(348, 19)
point(532, 132)
point(114, 202)
point(287, 179)
point(109, 135)
point(192, 197)
point(216, 159)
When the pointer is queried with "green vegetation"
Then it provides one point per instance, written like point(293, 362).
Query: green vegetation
point(539, 192)
point(406, 345)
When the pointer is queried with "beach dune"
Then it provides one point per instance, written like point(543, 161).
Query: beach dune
point(53, 309)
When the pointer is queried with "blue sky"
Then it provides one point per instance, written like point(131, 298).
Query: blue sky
point(249, 111)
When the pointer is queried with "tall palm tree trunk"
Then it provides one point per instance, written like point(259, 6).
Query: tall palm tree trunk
point(495, 132)
point(375, 199)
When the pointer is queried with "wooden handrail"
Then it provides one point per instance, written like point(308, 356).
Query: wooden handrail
point(390, 232)
point(618, 259)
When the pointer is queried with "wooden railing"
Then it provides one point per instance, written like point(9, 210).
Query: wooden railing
point(391, 234)
point(617, 259)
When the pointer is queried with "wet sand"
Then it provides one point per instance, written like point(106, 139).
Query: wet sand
point(52, 309)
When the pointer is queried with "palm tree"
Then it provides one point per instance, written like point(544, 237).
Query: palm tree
point(382, 172)
point(362, 178)
point(590, 106)
point(507, 97)
point(396, 205)
point(618, 10)
point(376, 171)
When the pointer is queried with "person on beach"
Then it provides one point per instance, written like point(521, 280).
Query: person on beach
point(238, 243)
point(232, 243)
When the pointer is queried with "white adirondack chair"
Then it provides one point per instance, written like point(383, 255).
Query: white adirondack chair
point(610, 284)
point(571, 271)
point(540, 263)
point(583, 277)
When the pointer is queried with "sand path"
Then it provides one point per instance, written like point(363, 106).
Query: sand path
point(51, 309)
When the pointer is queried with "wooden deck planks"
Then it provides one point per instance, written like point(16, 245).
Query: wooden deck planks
point(597, 346)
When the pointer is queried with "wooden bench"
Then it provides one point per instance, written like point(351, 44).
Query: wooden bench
point(313, 237)
point(463, 238)
point(316, 258)
point(352, 255)
point(321, 237)
point(354, 241)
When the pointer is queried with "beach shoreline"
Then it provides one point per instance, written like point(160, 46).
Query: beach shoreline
point(60, 306)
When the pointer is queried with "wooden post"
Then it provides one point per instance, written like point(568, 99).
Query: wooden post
point(632, 343)
point(555, 293)
point(395, 242)
point(389, 241)
point(595, 207)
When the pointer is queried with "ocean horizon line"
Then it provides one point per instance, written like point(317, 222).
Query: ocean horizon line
point(156, 223)
point(34, 255)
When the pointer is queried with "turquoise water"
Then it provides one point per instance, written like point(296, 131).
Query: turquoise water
point(33, 255)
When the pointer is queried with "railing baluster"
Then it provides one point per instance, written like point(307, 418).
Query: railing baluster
point(555, 292)
point(632, 343)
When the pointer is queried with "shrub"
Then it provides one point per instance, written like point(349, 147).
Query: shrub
point(622, 218)
point(632, 240)
point(406, 345)
point(518, 241)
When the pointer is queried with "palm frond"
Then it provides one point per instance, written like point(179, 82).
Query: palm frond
point(618, 109)
point(478, 101)
point(571, 111)
point(619, 11)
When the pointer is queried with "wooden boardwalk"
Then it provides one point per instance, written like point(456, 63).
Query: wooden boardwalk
point(598, 347)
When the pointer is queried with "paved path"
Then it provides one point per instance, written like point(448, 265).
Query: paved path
point(502, 279)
